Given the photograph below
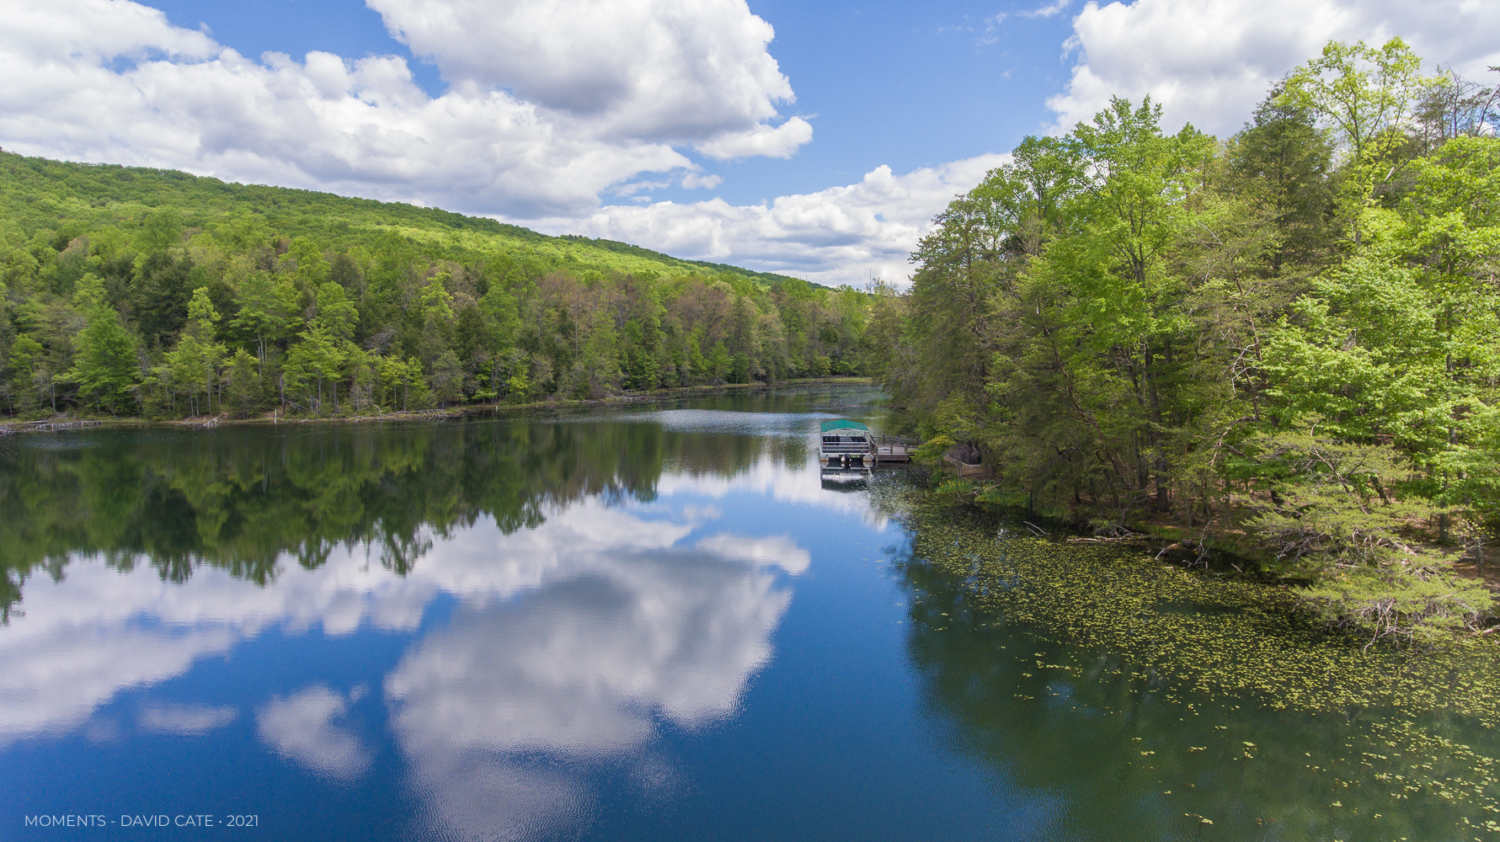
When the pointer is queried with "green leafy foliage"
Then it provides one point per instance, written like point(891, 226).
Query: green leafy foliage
point(352, 306)
point(1287, 344)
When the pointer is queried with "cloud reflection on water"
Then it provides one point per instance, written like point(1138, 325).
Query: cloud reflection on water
point(512, 705)
point(303, 727)
point(629, 617)
point(184, 719)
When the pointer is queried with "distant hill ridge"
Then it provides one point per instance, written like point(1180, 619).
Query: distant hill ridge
point(42, 194)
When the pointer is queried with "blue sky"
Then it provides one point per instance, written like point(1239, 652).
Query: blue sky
point(680, 125)
point(908, 85)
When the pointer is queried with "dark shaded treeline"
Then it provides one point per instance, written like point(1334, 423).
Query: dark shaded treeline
point(243, 498)
point(156, 293)
point(1283, 344)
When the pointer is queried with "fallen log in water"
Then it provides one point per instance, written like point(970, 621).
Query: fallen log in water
point(45, 426)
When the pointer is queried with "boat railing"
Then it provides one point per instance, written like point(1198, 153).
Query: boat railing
point(846, 446)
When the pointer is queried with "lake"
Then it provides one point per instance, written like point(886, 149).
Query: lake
point(662, 622)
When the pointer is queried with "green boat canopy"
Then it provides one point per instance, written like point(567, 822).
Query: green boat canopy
point(843, 424)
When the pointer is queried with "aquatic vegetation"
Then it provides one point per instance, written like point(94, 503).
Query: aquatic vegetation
point(1254, 695)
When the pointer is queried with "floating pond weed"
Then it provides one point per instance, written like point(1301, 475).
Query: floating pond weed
point(1095, 665)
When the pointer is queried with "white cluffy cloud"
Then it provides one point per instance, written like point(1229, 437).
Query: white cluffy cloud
point(1210, 63)
point(548, 105)
point(694, 181)
point(637, 69)
point(1048, 10)
point(842, 235)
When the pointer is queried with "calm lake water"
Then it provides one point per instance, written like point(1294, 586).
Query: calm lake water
point(657, 622)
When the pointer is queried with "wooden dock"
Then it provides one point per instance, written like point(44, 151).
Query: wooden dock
point(892, 448)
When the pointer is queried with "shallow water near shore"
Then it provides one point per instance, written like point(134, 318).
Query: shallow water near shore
point(663, 622)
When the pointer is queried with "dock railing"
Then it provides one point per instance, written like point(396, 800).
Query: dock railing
point(881, 448)
point(893, 448)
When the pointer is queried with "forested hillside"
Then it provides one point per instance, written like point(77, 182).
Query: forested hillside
point(1285, 343)
point(156, 293)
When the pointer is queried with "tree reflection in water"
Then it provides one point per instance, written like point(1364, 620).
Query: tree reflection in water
point(241, 498)
point(637, 612)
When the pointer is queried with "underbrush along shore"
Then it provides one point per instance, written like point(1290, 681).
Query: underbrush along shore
point(1424, 590)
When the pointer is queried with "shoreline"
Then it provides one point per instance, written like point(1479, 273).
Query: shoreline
point(1219, 552)
point(69, 422)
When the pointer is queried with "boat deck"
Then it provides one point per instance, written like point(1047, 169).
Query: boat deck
point(846, 444)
